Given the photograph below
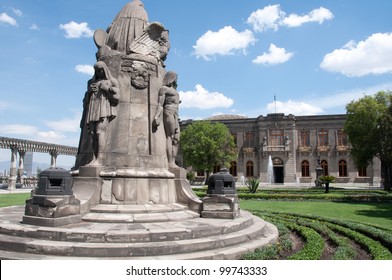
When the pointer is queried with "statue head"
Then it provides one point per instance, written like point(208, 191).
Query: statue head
point(101, 70)
point(170, 79)
point(134, 9)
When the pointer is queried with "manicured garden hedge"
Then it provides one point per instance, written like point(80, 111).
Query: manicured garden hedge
point(316, 230)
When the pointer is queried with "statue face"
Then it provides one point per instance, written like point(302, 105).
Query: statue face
point(99, 72)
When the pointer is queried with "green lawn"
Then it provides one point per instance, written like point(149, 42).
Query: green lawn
point(372, 213)
point(13, 199)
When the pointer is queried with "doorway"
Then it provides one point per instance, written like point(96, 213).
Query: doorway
point(278, 170)
point(279, 174)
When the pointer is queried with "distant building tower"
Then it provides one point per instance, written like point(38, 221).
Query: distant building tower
point(28, 164)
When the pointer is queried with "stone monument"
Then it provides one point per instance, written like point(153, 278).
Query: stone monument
point(127, 198)
point(125, 155)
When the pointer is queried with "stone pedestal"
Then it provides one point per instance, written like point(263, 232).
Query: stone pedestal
point(221, 207)
point(53, 203)
point(138, 190)
point(221, 201)
point(52, 211)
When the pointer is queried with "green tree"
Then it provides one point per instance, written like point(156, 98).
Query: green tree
point(205, 144)
point(369, 129)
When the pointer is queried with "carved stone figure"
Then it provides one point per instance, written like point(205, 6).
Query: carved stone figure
point(130, 33)
point(129, 24)
point(123, 158)
point(168, 103)
point(100, 106)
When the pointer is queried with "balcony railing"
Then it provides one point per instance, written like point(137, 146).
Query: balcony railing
point(276, 148)
point(305, 149)
point(323, 148)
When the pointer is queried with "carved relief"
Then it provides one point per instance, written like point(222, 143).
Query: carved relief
point(140, 72)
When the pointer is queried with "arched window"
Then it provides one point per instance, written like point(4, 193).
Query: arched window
point(233, 168)
point(249, 169)
point(324, 165)
point(343, 168)
point(362, 172)
point(216, 168)
point(305, 169)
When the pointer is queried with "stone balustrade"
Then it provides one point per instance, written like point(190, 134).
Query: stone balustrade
point(21, 146)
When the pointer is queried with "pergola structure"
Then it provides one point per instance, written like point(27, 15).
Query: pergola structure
point(21, 146)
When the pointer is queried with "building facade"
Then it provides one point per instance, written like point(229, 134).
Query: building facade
point(286, 149)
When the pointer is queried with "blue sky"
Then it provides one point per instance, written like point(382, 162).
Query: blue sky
point(232, 57)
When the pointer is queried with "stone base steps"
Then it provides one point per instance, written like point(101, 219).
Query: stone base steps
point(195, 238)
point(227, 253)
point(109, 213)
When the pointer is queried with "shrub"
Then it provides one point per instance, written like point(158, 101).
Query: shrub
point(190, 176)
point(327, 179)
point(374, 247)
point(252, 184)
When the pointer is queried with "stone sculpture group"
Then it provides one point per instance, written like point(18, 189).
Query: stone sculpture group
point(130, 125)
point(126, 196)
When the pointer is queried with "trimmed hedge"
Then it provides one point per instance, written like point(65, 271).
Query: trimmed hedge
point(376, 241)
point(310, 194)
point(328, 197)
point(374, 247)
point(272, 252)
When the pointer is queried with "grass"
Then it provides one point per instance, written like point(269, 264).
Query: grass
point(372, 213)
point(13, 199)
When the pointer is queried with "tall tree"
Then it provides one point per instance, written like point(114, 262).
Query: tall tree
point(205, 144)
point(369, 129)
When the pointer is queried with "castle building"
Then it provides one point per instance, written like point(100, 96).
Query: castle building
point(291, 147)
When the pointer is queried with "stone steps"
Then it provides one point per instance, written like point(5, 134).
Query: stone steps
point(195, 238)
point(226, 253)
point(109, 213)
point(120, 233)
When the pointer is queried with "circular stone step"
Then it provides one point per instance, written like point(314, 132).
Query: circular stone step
point(149, 213)
point(138, 209)
point(139, 218)
point(195, 238)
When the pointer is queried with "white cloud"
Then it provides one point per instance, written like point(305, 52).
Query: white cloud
point(66, 124)
point(275, 56)
point(224, 42)
point(50, 136)
point(3, 106)
point(34, 27)
point(203, 99)
point(272, 17)
point(4, 18)
point(85, 69)
point(17, 12)
point(31, 133)
point(18, 129)
point(371, 56)
point(318, 15)
point(76, 30)
point(266, 18)
point(294, 107)
point(63, 132)
point(341, 99)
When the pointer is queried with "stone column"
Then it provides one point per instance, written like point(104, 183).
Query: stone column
point(53, 158)
point(21, 165)
point(12, 177)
